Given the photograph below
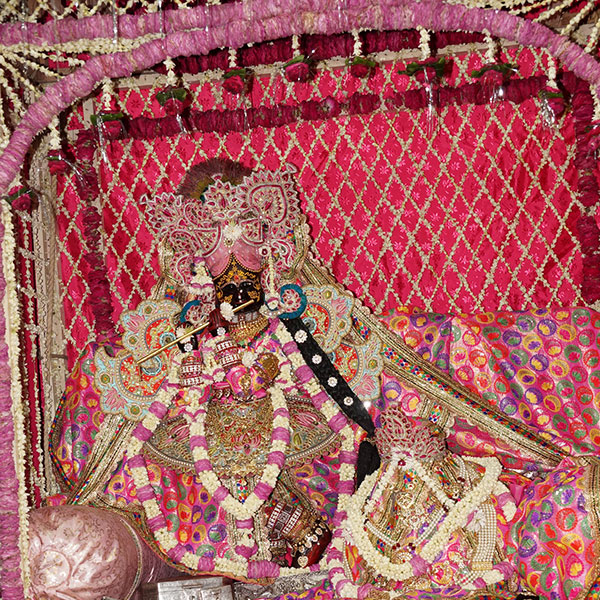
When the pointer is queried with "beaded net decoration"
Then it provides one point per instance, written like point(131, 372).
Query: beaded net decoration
point(481, 215)
point(477, 210)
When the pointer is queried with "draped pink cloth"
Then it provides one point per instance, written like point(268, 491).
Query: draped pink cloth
point(85, 553)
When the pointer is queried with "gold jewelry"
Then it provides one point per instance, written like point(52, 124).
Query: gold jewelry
point(248, 330)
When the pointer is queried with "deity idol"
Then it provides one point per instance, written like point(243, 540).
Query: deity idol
point(223, 450)
point(234, 450)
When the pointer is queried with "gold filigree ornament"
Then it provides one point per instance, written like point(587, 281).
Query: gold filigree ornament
point(328, 316)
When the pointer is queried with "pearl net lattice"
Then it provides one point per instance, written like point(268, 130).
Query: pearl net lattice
point(476, 211)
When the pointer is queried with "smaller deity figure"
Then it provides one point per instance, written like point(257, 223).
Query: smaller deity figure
point(427, 520)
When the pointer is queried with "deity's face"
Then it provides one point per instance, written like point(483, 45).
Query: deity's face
point(237, 285)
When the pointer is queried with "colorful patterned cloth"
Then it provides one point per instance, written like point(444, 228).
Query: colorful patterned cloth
point(541, 368)
point(538, 367)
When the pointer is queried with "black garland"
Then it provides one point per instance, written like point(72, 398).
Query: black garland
point(327, 375)
point(341, 393)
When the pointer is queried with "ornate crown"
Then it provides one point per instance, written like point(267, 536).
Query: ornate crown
point(250, 220)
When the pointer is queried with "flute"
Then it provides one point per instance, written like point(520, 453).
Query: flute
point(185, 336)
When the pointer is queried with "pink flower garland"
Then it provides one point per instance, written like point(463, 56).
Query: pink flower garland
point(336, 420)
point(87, 187)
point(270, 21)
point(226, 26)
point(10, 569)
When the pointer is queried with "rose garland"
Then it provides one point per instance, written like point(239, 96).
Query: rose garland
point(243, 512)
point(286, 22)
point(14, 537)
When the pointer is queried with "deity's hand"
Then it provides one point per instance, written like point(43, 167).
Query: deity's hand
point(217, 325)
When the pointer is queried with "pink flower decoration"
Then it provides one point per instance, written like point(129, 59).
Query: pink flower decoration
point(234, 85)
point(495, 74)
point(238, 81)
point(492, 78)
point(57, 162)
point(86, 145)
point(426, 75)
point(360, 70)
point(362, 67)
point(555, 101)
point(22, 203)
point(174, 100)
point(112, 129)
point(173, 106)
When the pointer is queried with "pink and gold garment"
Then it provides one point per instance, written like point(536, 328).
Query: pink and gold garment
point(238, 436)
point(541, 368)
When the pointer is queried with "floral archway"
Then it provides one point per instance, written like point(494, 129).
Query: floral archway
point(100, 215)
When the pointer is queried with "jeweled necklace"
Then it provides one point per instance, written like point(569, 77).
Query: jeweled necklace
point(243, 332)
point(244, 512)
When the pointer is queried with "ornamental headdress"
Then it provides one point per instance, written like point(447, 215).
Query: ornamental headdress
point(252, 221)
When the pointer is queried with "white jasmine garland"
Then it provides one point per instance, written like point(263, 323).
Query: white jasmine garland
point(232, 58)
point(490, 52)
point(552, 72)
point(329, 411)
point(190, 560)
point(54, 134)
point(414, 465)
point(313, 387)
point(492, 576)
point(596, 97)
point(295, 45)
point(107, 92)
point(456, 518)
point(424, 39)
point(227, 311)
point(280, 421)
point(245, 537)
point(10, 305)
point(296, 360)
point(151, 509)
point(593, 37)
point(171, 78)
point(357, 47)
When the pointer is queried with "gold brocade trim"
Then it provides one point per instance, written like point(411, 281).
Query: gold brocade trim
point(591, 493)
point(458, 399)
point(109, 445)
point(308, 442)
